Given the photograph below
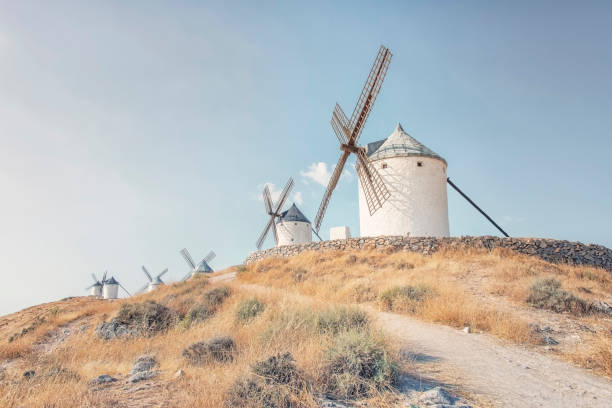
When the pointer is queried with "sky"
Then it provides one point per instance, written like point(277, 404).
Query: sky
point(129, 130)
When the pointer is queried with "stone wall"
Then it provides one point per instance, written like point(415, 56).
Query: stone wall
point(548, 249)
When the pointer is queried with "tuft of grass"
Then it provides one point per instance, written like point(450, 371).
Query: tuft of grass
point(340, 319)
point(219, 349)
point(548, 294)
point(248, 310)
point(215, 297)
point(407, 298)
point(357, 366)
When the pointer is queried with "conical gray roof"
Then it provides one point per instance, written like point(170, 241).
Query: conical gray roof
point(293, 214)
point(111, 281)
point(203, 267)
point(398, 144)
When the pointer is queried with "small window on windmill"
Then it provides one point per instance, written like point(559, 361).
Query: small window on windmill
point(419, 164)
point(384, 165)
point(295, 223)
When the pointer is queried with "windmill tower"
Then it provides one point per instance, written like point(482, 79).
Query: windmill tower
point(416, 179)
point(202, 267)
point(153, 282)
point(348, 131)
point(293, 227)
point(96, 288)
point(110, 288)
point(290, 227)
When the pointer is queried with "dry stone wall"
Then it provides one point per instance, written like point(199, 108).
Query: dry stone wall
point(548, 249)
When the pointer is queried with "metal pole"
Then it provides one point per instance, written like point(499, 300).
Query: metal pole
point(320, 239)
point(477, 207)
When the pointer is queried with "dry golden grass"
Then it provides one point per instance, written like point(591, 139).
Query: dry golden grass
point(63, 371)
point(485, 290)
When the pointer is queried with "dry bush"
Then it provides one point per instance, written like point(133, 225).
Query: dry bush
point(248, 310)
point(548, 294)
point(357, 366)
point(220, 349)
point(406, 299)
point(138, 319)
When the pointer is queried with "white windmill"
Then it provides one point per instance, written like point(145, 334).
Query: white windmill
point(153, 282)
point(402, 183)
point(202, 267)
point(96, 288)
point(110, 288)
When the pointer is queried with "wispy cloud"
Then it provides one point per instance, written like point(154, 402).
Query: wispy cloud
point(319, 173)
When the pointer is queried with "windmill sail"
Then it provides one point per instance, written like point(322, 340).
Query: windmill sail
point(348, 132)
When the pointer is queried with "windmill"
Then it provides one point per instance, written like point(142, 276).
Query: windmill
point(273, 211)
point(348, 132)
point(96, 288)
point(110, 288)
point(153, 283)
point(202, 267)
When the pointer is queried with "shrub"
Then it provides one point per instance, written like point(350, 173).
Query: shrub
point(357, 365)
point(138, 319)
point(249, 393)
point(404, 298)
point(248, 310)
point(278, 369)
point(339, 319)
point(276, 384)
point(548, 294)
point(215, 297)
point(220, 349)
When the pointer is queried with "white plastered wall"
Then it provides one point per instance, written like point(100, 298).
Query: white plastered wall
point(418, 204)
point(293, 233)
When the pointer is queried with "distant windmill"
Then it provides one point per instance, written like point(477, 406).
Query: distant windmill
point(110, 290)
point(273, 211)
point(202, 267)
point(96, 288)
point(153, 282)
point(348, 132)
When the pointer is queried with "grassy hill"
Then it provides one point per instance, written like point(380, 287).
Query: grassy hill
point(297, 332)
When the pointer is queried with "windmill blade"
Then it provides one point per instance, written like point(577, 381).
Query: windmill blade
point(90, 286)
point(339, 123)
point(284, 194)
point(211, 255)
point(267, 198)
point(262, 236)
point(369, 93)
point(186, 277)
point(104, 276)
point(374, 188)
point(94, 279)
point(121, 286)
point(188, 258)
point(163, 273)
point(275, 232)
point(147, 273)
point(141, 290)
point(330, 188)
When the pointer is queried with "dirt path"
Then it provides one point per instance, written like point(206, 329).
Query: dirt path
point(504, 374)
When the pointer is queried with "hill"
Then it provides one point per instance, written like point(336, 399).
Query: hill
point(332, 328)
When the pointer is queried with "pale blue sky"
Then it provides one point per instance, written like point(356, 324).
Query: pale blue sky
point(129, 130)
